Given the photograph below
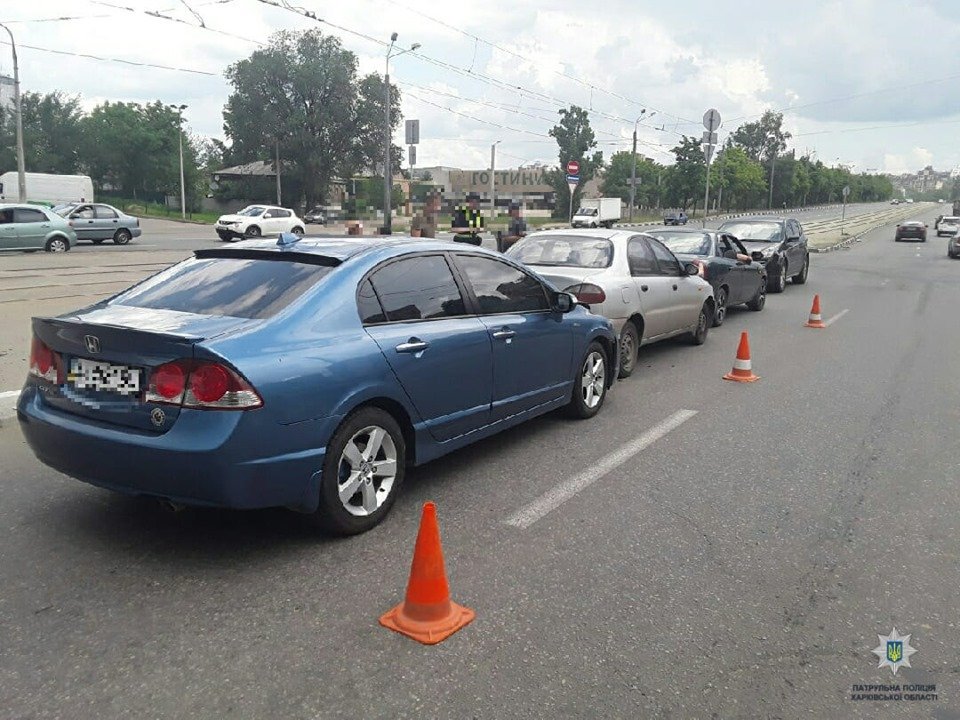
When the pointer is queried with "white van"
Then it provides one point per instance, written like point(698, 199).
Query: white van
point(45, 188)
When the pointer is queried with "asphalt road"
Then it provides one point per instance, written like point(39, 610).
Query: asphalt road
point(740, 566)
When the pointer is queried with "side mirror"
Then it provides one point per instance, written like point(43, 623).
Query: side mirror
point(730, 254)
point(691, 269)
point(757, 255)
point(564, 302)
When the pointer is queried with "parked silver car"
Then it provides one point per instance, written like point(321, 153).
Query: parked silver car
point(628, 277)
point(33, 227)
point(97, 222)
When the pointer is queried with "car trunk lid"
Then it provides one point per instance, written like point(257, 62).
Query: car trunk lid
point(107, 355)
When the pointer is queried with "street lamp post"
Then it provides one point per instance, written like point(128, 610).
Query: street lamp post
point(183, 187)
point(387, 138)
point(21, 173)
point(633, 171)
point(493, 172)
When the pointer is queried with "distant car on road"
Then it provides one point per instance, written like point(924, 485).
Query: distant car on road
point(97, 222)
point(306, 374)
point(948, 225)
point(317, 216)
point(953, 246)
point(783, 244)
point(895, 202)
point(736, 276)
point(256, 220)
point(631, 278)
point(33, 227)
point(675, 218)
point(914, 229)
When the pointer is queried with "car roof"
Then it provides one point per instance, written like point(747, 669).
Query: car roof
point(684, 230)
point(601, 233)
point(338, 248)
point(759, 218)
point(913, 222)
point(32, 206)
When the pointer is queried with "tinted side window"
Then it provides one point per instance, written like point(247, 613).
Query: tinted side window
point(281, 213)
point(795, 228)
point(666, 261)
point(105, 213)
point(418, 288)
point(369, 305)
point(501, 288)
point(28, 215)
point(640, 258)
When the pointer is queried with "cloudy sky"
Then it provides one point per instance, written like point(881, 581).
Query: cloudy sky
point(867, 83)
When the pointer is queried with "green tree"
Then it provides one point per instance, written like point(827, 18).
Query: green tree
point(302, 92)
point(764, 139)
point(51, 134)
point(738, 179)
point(686, 178)
point(575, 141)
point(616, 178)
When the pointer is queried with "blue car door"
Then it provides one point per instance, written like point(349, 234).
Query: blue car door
point(532, 345)
point(415, 311)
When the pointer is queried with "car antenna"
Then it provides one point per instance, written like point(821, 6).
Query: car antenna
point(287, 240)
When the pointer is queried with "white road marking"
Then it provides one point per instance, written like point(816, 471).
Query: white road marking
point(9, 394)
point(556, 496)
point(836, 317)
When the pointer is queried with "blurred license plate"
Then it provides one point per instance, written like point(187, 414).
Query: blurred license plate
point(93, 375)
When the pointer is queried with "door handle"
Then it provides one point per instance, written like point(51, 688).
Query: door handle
point(413, 345)
point(504, 334)
point(644, 287)
point(674, 287)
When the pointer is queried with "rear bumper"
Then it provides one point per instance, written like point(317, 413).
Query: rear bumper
point(208, 458)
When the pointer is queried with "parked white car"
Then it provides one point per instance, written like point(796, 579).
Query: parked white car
point(630, 278)
point(256, 220)
point(949, 226)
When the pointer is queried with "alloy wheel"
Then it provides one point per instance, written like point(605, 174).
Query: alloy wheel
point(593, 376)
point(367, 471)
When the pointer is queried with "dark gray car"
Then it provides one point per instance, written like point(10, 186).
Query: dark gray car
point(97, 222)
point(783, 244)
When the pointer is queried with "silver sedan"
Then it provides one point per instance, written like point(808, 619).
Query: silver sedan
point(628, 277)
point(97, 222)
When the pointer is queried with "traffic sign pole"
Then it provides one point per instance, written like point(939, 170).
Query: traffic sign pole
point(573, 179)
point(711, 121)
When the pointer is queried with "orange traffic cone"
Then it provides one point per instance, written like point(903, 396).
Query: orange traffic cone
point(742, 372)
point(816, 319)
point(427, 614)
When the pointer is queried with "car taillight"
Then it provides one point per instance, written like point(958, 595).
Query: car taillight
point(44, 362)
point(588, 293)
point(202, 385)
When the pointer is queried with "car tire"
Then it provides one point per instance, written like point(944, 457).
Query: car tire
point(699, 335)
point(298, 231)
point(589, 380)
point(760, 299)
point(348, 516)
point(252, 232)
point(122, 236)
point(58, 243)
point(801, 277)
point(720, 308)
point(97, 241)
point(628, 347)
point(779, 283)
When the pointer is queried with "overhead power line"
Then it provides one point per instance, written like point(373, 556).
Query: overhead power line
point(161, 16)
point(106, 15)
point(519, 56)
point(153, 66)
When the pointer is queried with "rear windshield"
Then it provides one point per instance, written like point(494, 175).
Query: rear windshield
point(683, 243)
point(950, 219)
point(763, 231)
point(231, 287)
point(564, 250)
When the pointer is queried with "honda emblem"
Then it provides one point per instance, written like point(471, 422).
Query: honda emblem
point(93, 344)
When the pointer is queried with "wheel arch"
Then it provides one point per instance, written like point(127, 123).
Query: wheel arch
point(399, 413)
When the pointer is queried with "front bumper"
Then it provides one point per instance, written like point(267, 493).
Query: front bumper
point(228, 231)
point(208, 458)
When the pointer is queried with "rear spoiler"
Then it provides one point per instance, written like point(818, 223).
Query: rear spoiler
point(265, 254)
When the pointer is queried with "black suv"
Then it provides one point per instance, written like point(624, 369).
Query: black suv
point(783, 245)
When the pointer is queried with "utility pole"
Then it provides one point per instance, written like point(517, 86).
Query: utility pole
point(773, 163)
point(21, 173)
point(276, 169)
point(633, 171)
point(183, 189)
point(493, 175)
point(387, 140)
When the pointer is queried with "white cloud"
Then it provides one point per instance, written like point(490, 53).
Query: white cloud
point(911, 161)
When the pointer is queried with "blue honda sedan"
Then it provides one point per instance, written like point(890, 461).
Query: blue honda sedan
point(306, 373)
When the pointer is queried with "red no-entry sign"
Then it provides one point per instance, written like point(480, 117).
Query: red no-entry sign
point(573, 168)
